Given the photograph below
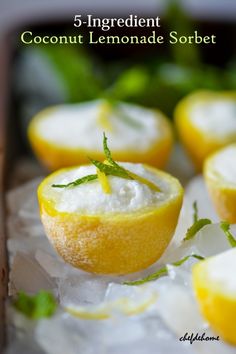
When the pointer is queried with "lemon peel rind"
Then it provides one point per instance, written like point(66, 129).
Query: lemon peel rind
point(217, 307)
point(112, 243)
point(122, 305)
point(198, 144)
point(222, 193)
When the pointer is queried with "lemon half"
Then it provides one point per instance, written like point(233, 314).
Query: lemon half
point(116, 233)
point(220, 177)
point(206, 121)
point(66, 135)
point(214, 283)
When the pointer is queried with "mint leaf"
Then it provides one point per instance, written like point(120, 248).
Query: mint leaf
point(195, 211)
point(111, 170)
point(107, 152)
point(197, 226)
point(162, 271)
point(38, 306)
point(225, 226)
point(77, 182)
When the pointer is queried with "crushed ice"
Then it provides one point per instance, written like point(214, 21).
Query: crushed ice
point(148, 318)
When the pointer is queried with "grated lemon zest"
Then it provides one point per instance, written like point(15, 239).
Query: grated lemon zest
point(103, 180)
point(103, 116)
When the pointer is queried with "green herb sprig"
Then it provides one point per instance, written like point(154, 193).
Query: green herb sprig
point(111, 168)
point(225, 226)
point(107, 152)
point(197, 225)
point(162, 271)
point(195, 211)
point(77, 182)
point(37, 306)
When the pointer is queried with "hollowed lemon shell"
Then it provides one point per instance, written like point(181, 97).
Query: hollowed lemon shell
point(222, 193)
point(199, 144)
point(54, 156)
point(218, 308)
point(111, 243)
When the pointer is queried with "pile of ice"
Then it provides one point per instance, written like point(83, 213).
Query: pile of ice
point(148, 318)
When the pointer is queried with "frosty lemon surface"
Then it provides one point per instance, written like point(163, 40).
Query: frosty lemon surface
point(65, 135)
point(220, 176)
point(206, 121)
point(118, 232)
point(215, 286)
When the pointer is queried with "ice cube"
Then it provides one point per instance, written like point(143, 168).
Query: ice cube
point(211, 240)
point(180, 275)
point(28, 245)
point(146, 318)
point(57, 335)
point(18, 227)
point(27, 275)
point(23, 200)
point(82, 288)
point(122, 330)
point(181, 318)
point(54, 266)
point(117, 291)
point(208, 241)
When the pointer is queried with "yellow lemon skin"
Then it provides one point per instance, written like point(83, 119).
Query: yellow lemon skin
point(197, 143)
point(218, 309)
point(223, 194)
point(54, 156)
point(111, 243)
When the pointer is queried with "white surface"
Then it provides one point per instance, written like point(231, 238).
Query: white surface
point(215, 117)
point(127, 195)
point(78, 126)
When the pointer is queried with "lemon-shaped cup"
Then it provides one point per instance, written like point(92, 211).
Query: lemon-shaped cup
point(215, 287)
point(220, 177)
point(205, 122)
point(117, 233)
point(65, 135)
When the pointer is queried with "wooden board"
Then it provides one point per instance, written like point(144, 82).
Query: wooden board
point(4, 79)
